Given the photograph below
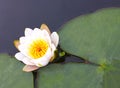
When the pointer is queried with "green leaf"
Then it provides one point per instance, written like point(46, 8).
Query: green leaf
point(70, 76)
point(11, 74)
point(74, 75)
point(94, 37)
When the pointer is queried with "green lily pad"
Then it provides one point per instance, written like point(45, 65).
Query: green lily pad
point(11, 74)
point(74, 75)
point(94, 37)
point(70, 75)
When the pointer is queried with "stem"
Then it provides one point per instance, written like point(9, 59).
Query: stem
point(35, 80)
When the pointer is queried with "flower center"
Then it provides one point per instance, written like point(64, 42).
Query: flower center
point(37, 48)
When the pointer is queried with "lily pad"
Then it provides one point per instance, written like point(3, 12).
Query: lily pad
point(74, 75)
point(70, 75)
point(94, 37)
point(11, 74)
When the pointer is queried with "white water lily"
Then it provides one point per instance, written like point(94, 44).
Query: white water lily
point(37, 47)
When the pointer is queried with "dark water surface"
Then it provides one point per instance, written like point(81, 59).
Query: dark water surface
point(16, 15)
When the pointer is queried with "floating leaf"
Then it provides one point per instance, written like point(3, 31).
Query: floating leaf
point(70, 76)
point(74, 75)
point(11, 74)
point(94, 37)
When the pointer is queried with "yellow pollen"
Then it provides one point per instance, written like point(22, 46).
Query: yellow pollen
point(37, 48)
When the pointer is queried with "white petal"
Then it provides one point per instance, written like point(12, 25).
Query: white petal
point(37, 33)
point(29, 68)
point(23, 49)
point(53, 48)
point(23, 58)
point(55, 38)
point(28, 31)
point(27, 61)
point(19, 56)
point(36, 30)
point(45, 33)
point(22, 40)
point(47, 36)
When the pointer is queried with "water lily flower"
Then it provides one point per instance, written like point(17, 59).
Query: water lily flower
point(37, 47)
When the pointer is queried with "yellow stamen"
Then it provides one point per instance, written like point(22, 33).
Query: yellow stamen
point(37, 48)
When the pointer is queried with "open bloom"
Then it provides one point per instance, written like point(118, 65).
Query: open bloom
point(37, 47)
